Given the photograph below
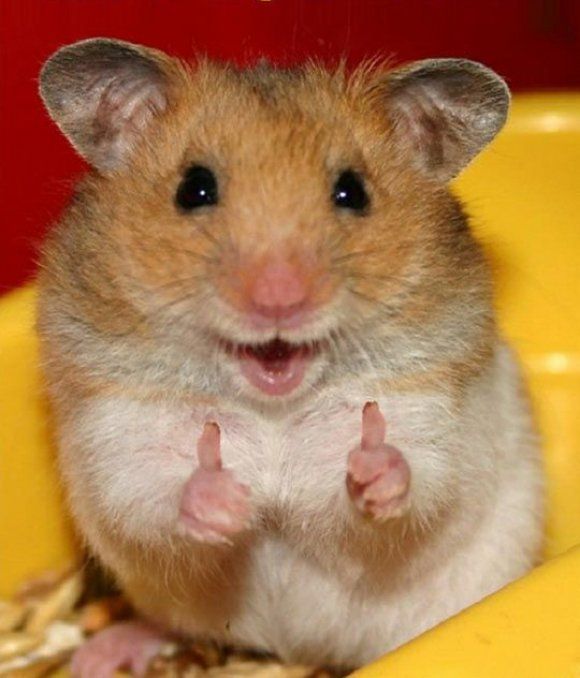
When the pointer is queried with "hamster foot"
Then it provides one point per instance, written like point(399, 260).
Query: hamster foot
point(129, 645)
point(378, 476)
point(214, 506)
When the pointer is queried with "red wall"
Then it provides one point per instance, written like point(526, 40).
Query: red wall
point(533, 43)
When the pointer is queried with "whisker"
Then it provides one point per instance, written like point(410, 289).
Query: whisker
point(380, 278)
point(354, 255)
point(158, 311)
point(334, 242)
point(363, 351)
point(211, 260)
point(177, 281)
point(210, 236)
point(388, 308)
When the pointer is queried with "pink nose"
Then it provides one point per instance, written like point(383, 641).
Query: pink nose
point(278, 290)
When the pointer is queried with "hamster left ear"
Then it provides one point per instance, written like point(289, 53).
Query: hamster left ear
point(103, 94)
point(447, 110)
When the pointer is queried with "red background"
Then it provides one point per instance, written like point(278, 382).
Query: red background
point(533, 43)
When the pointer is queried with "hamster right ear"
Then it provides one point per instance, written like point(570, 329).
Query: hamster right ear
point(103, 94)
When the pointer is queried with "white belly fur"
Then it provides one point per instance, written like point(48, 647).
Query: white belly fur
point(313, 582)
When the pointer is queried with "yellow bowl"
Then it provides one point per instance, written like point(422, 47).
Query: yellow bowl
point(524, 197)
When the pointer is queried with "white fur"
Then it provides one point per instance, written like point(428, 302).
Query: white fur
point(313, 580)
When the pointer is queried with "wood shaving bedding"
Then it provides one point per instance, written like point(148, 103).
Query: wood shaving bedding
point(52, 615)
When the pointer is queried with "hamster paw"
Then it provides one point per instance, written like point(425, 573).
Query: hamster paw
point(378, 476)
point(128, 645)
point(214, 506)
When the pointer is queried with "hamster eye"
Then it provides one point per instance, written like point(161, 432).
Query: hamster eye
point(349, 192)
point(198, 188)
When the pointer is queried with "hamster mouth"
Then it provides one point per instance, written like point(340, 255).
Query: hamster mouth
point(276, 367)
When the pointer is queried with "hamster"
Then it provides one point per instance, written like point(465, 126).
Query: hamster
point(285, 417)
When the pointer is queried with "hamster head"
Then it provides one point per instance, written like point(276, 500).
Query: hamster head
point(275, 227)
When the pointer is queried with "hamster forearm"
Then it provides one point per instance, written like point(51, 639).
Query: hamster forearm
point(161, 439)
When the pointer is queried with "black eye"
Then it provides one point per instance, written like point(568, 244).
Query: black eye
point(349, 192)
point(197, 188)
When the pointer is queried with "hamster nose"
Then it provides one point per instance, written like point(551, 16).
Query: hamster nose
point(279, 291)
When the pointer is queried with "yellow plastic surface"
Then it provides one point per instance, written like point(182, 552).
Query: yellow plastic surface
point(524, 196)
point(33, 532)
point(531, 629)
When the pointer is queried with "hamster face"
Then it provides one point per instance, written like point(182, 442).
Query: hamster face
point(273, 227)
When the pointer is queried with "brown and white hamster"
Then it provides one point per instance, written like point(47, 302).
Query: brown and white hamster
point(285, 417)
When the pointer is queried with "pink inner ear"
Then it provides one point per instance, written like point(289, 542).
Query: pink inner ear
point(125, 108)
point(445, 111)
point(425, 125)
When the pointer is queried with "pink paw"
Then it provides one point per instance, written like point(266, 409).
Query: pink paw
point(128, 645)
point(378, 476)
point(214, 506)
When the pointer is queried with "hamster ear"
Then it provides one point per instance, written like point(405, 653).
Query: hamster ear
point(448, 110)
point(103, 94)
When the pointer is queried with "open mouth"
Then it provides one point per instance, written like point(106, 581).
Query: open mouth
point(276, 367)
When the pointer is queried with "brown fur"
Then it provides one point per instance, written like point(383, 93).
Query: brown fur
point(141, 304)
point(276, 139)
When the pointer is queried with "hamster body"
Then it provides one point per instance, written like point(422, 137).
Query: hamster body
point(265, 270)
